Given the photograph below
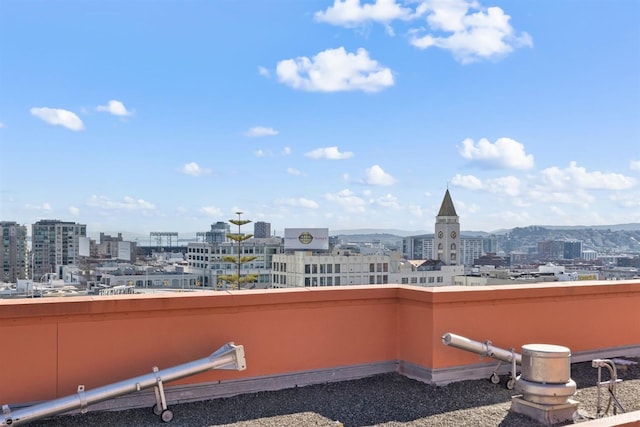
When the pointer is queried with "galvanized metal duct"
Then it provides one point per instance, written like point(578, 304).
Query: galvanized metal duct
point(481, 348)
point(229, 356)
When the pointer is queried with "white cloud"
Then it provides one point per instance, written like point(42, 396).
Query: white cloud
point(116, 108)
point(262, 153)
point(375, 175)
point(350, 13)
point(576, 176)
point(485, 34)
point(58, 117)
point(286, 151)
point(507, 185)
point(211, 211)
point(299, 202)
point(626, 200)
point(575, 197)
point(293, 171)
point(127, 203)
point(505, 153)
point(258, 131)
point(347, 199)
point(330, 153)
point(74, 211)
point(264, 72)
point(43, 207)
point(335, 70)
point(467, 181)
point(387, 201)
point(634, 165)
point(194, 169)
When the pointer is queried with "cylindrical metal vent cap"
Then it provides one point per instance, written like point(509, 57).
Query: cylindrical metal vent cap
point(546, 363)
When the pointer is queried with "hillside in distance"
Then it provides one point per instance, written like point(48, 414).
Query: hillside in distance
point(608, 238)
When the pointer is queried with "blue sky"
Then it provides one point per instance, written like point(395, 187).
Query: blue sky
point(141, 116)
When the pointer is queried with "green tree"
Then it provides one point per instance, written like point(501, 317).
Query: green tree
point(236, 280)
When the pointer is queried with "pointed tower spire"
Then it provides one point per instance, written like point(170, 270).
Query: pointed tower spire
point(447, 208)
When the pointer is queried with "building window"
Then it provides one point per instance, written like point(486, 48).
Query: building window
point(322, 268)
point(372, 268)
point(372, 279)
point(307, 269)
point(385, 267)
point(414, 280)
point(423, 280)
point(439, 279)
point(329, 281)
point(453, 246)
point(337, 268)
point(329, 268)
point(404, 281)
point(431, 280)
point(307, 281)
point(314, 268)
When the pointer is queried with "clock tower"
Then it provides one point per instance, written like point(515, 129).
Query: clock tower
point(446, 240)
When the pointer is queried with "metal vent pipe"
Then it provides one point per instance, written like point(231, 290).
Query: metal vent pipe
point(481, 348)
point(229, 356)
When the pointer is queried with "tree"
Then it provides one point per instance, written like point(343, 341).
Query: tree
point(237, 279)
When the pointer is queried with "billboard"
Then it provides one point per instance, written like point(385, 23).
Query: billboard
point(124, 251)
point(84, 246)
point(306, 239)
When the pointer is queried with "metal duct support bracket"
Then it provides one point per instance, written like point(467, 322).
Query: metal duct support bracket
point(485, 349)
point(228, 357)
point(611, 386)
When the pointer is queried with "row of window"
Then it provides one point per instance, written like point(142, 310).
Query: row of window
point(224, 251)
point(379, 267)
point(322, 268)
point(422, 280)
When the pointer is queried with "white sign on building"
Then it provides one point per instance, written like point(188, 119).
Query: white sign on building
point(84, 245)
point(306, 239)
point(124, 251)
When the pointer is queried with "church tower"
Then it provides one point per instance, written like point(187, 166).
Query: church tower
point(446, 240)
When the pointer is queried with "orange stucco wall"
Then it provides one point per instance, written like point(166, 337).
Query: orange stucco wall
point(53, 345)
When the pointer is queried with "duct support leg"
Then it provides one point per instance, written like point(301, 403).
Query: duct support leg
point(160, 408)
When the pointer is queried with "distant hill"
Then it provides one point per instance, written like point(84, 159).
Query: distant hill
point(403, 233)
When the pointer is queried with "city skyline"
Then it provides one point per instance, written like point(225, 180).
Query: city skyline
point(139, 117)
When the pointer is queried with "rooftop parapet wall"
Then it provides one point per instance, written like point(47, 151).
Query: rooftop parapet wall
point(53, 345)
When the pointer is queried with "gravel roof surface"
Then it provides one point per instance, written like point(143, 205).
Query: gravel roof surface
point(381, 400)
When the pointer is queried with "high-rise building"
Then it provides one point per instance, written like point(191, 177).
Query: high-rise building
point(55, 244)
point(261, 229)
point(13, 256)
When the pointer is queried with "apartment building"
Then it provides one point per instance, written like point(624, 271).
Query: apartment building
point(14, 254)
point(55, 244)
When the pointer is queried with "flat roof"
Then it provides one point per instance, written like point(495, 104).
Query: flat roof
point(379, 400)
